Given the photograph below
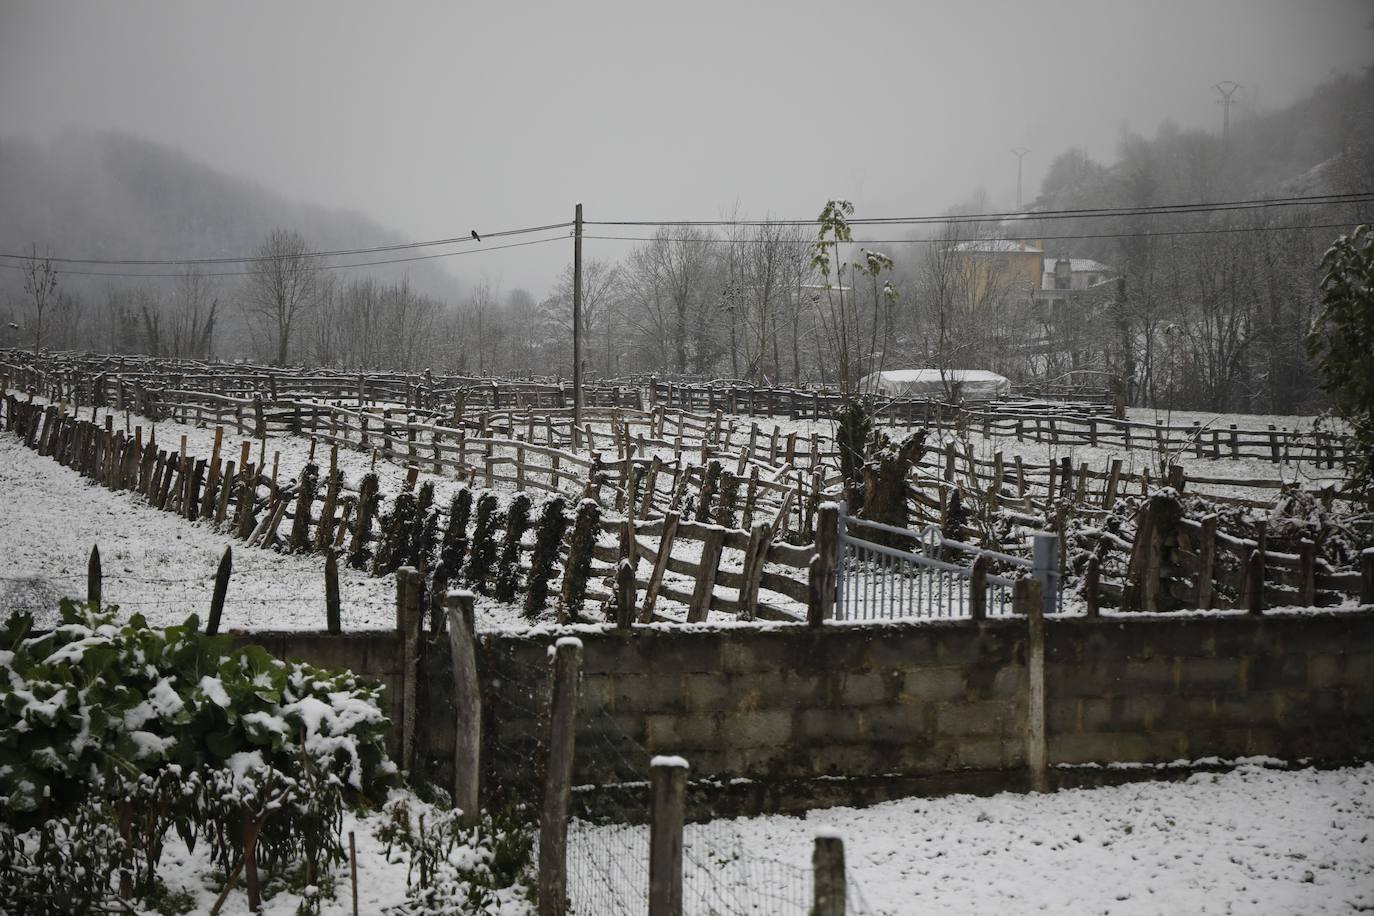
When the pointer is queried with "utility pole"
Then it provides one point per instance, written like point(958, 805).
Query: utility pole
point(1227, 88)
point(1020, 153)
point(577, 316)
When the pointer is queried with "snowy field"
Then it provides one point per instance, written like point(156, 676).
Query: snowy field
point(1249, 841)
point(159, 564)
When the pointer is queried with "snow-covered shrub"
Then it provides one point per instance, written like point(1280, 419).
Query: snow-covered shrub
point(399, 529)
point(143, 729)
point(709, 482)
point(586, 527)
point(455, 544)
point(455, 870)
point(483, 542)
point(305, 498)
point(368, 501)
point(853, 423)
point(553, 523)
point(508, 572)
point(66, 866)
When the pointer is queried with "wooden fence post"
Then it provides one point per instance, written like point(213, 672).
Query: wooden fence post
point(409, 584)
point(1254, 582)
point(1091, 584)
point(1207, 562)
point(467, 748)
point(226, 566)
point(700, 607)
point(822, 599)
point(624, 594)
point(668, 775)
point(978, 589)
point(1028, 600)
point(1307, 573)
point(665, 549)
point(553, 820)
point(755, 556)
point(93, 576)
point(331, 591)
point(828, 881)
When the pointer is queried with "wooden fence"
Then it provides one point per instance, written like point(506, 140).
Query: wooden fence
point(269, 511)
point(1172, 562)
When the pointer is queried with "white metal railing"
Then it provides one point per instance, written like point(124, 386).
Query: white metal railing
point(876, 581)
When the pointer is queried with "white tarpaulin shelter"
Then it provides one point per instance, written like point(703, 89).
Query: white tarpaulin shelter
point(967, 384)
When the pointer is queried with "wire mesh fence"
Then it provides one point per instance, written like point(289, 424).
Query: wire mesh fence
point(723, 873)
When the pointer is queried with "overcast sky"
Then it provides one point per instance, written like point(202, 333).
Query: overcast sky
point(437, 118)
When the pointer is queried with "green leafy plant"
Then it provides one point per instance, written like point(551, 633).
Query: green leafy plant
point(1341, 343)
point(131, 731)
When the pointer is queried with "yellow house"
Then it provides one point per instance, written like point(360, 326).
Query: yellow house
point(996, 267)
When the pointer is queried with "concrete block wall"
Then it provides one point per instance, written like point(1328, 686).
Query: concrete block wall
point(1157, 689)
point(940, 703)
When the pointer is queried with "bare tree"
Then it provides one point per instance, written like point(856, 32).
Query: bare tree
point(601, 293)
point(40, 284)
point(194, 307)
point(283, 286)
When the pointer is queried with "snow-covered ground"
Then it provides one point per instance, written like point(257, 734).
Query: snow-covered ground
point(160, 565)
point(382, 878)
point(1249, 841)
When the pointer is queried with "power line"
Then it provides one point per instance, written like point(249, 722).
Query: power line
point(1001, 238)
point(340, 252)
point(249, 273)
point(1082, 213)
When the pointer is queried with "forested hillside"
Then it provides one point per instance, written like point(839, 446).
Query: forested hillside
point(116, 196)
point(1216, 304)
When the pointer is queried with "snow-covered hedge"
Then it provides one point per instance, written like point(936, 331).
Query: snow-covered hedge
point(120, 733)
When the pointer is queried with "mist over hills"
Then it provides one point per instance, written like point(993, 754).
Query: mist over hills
point(114, 195)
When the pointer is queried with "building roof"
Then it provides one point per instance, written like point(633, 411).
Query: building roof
point(999, 245)
point(1079, 266)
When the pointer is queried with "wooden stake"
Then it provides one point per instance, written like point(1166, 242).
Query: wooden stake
point(331, 591)
point(467, 750)
point(828, 880)
point(353, 866)
point(553, 821)
point(668, 776)
point(226, 566)
point(93, 583)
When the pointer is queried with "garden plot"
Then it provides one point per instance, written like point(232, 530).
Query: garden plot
point(161, 565)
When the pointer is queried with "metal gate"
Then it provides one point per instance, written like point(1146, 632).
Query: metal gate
point(877, 581)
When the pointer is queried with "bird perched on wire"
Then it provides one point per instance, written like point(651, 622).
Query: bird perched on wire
point(475, 236)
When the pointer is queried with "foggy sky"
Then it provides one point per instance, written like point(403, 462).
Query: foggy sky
point(437, 118)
